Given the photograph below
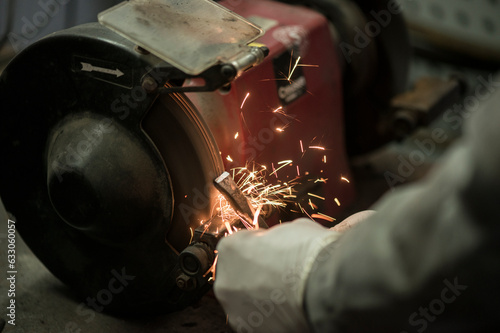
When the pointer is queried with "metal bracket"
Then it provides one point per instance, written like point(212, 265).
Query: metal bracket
point(168, 79)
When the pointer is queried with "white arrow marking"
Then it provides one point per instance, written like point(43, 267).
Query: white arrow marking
point(89, 68)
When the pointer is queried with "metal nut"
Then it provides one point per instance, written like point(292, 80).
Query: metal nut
point(185, 282)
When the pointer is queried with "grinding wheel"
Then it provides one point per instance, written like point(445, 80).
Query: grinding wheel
point(98, 168)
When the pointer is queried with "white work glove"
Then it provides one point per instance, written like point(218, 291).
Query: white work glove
point(261, 275)
point(352, 220)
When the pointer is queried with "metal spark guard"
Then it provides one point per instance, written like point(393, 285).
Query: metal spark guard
point(192, 35)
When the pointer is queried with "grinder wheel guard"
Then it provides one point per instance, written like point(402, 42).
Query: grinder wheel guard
point(96, 165)
point(107, 177)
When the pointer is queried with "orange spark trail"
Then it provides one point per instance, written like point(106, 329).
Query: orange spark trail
point(316, 196)
point(313, 206)
point(244, 100)
point(323, 217)
point(293, 70)
point(274, 171)
point(256, 218)
point(317, 147)
point(228, 227)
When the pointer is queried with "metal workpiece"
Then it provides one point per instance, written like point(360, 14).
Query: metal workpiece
point(230, 190)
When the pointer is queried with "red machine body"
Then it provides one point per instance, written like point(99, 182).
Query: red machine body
point(289, 108)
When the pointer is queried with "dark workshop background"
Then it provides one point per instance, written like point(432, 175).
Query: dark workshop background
point(44, 304)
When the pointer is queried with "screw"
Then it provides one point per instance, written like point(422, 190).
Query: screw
point(149, 84)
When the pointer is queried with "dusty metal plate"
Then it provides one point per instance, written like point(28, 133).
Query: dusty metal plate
point(192, 35)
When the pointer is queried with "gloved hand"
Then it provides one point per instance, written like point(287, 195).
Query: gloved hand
point(352, 220)
point(261, 275)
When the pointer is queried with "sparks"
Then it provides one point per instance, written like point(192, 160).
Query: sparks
point(313, 206)
point(323, 217)
point(191, 239)
point(324, 159)
point(298, 171)
point(316, 196)
point(321, 180)
point(293, 69)
point(228, 227)
point(256, 218)
point(305, 212)
point(285, 162)
point(244, 100)
point(337, 201)
point(279, 129)
point(252, 182)
point(236, 135)
point(275, 171)
point(344, 179)
point(229, 158)
point(213, 268)
point(317, 147)
point(301, 146)
point(301, 209)
point(278, 109)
